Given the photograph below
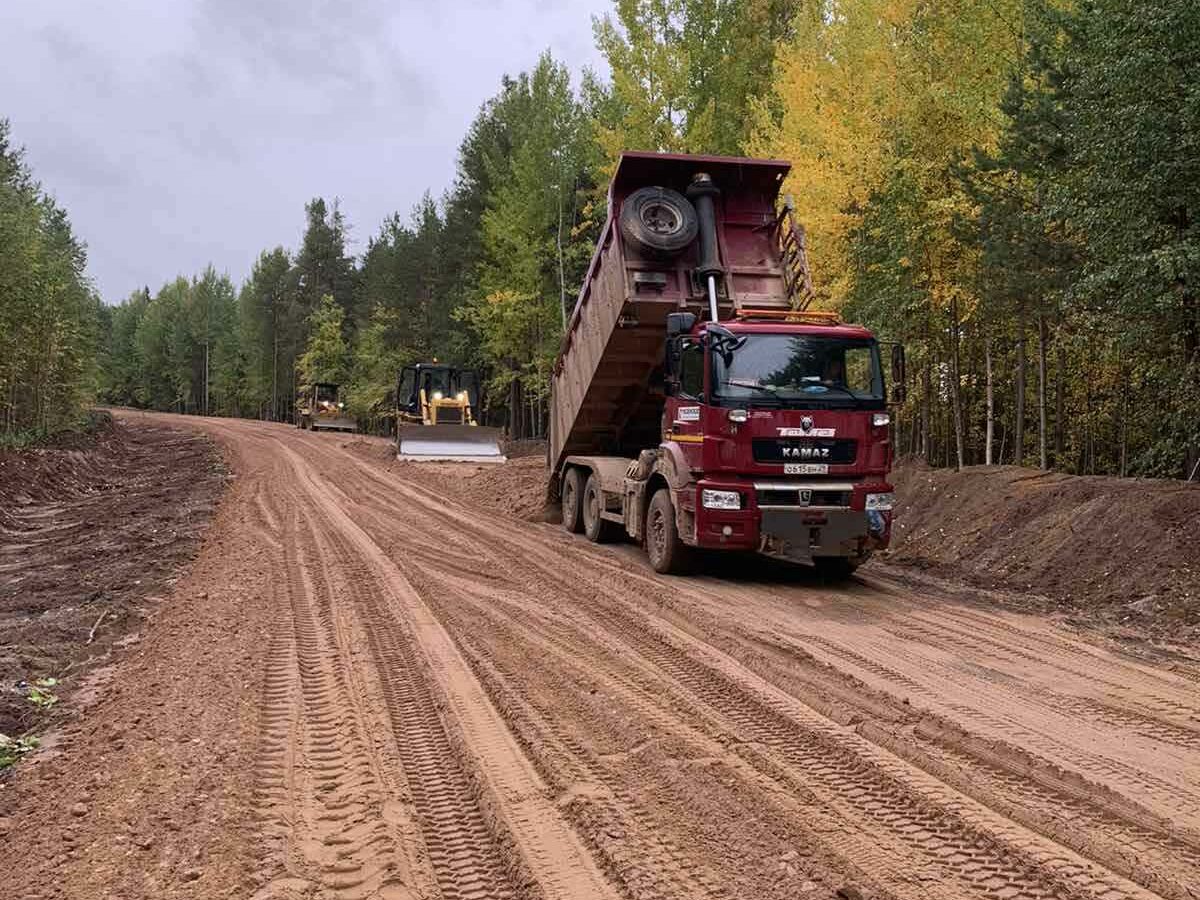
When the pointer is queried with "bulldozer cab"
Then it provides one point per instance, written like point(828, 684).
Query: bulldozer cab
point(438, 395)
point(325, 394)
point(436, 410)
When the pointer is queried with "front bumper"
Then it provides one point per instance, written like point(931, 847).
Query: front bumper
point(798, 533)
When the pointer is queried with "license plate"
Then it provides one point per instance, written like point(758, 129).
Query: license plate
point(805, 469)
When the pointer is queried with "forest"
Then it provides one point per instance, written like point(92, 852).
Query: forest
point(1008, 187)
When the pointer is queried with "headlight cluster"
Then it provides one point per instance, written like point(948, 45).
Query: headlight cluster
point(720, 499)
point(880, 502)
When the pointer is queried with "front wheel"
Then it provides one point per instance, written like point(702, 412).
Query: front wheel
point(669, 555)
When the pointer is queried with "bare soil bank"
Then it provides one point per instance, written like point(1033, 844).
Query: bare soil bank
point(90, 528)
point(1126, 550)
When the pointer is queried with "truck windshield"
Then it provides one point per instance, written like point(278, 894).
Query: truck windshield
point(800, 371)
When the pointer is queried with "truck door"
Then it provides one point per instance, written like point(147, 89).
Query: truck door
point(686, 425)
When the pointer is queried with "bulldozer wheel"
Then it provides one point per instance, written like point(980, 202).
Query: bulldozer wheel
point(572, 505)
point(668, 554)
point(598, 531)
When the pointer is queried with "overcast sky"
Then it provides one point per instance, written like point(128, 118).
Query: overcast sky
point(182, 132)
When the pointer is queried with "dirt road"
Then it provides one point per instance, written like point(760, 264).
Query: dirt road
point(441, 701)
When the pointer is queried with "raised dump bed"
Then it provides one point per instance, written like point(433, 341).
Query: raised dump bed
point(607, 383)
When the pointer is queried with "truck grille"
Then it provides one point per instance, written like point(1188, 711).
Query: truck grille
point(780, 496)
point(839, 451)
point(449, 415)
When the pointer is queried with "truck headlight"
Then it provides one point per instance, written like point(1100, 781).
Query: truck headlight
point(879, 420)
point(738, 416)
point(880, 502)
point(437, 395)
point(720, 499)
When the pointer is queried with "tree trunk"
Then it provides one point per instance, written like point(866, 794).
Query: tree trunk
point(1019, 411)
point(514, 409)
point(956, 385)
point(274, 368)
point(991, 403)
point(927, 408)
point(1042, 462)
point(1059, 401)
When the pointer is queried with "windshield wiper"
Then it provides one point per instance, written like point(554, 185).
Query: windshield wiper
point(754, 386)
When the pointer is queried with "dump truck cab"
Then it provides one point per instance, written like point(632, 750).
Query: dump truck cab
point(780, 421)
point(322, 408)
point(697, 402)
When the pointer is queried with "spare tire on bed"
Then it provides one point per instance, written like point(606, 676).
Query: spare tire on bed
point(658, 221)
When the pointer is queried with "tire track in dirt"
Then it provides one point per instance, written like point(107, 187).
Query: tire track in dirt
point(1073, 875)
point(476, 853)
point(906, 800)
point(324, 796)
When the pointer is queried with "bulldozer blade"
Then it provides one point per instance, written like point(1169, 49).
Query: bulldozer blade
point(450, 443)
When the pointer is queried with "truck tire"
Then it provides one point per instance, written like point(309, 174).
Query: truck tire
point(572, 501)
point(596, 529)
point(669, 555)
point(658, 221)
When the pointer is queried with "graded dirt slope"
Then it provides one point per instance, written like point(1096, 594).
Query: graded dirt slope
point(367, 688)
point(1126, 551)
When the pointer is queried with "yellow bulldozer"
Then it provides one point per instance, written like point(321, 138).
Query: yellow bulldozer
point(320, 407)
point(436, 408)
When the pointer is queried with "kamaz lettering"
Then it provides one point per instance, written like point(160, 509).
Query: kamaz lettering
point(806, 452)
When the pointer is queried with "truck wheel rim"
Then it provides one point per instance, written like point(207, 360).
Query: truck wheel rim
point(570, 500)
point(661, 218)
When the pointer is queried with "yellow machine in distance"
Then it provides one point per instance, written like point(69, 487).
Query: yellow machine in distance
point(320, 407)
point(436, 416)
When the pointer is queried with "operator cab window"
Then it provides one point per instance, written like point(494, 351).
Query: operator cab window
point(691, 368)
point(408, 388)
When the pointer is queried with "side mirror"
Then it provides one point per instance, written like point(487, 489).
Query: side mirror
point(723, 341)
point(899, 374)
point(680, 323)
point(671, 362)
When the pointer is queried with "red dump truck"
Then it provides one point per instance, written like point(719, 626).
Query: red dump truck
point(697, 404)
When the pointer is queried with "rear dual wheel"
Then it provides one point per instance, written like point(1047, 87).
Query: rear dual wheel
point(572, 501)
point(597, 529)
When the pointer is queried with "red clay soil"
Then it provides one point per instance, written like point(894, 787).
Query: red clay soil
point(1108, 551)
point(91, 529)
point(365, 687)
point(516, 488)
point(1125, 550)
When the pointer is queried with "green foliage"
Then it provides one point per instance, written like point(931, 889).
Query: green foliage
point(49, 315)
point(12, 749)
point(686, 73)
point(326, 356)
point(992, 182)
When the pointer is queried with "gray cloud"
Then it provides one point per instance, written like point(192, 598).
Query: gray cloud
point(193, 131)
